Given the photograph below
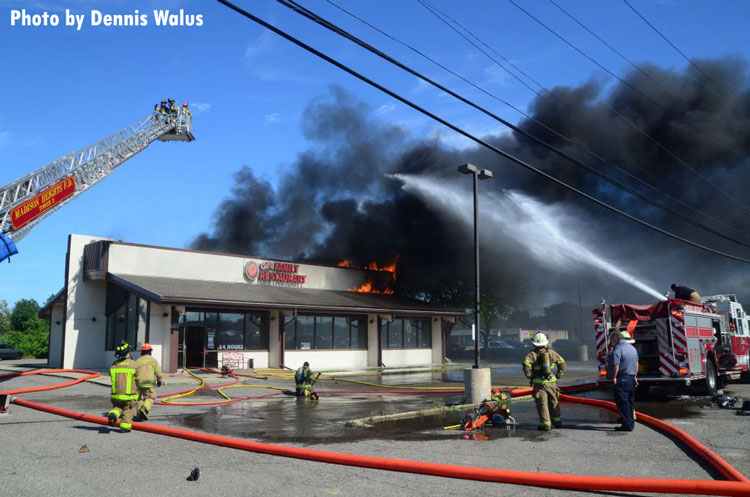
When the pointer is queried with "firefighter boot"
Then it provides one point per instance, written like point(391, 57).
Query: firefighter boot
point(143, 413)
point(112, 417)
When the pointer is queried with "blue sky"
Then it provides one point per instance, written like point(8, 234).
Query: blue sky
point(64, 89)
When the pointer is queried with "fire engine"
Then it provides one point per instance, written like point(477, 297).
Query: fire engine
point(680, 343)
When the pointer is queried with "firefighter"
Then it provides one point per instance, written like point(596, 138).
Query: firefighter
point(124, 391)
point(163, 109)
point(172, 106)
point(186, 110)
point(303, 378)
point(149, 377)
point(685, 293)
point(622, 369)
point(537, 366)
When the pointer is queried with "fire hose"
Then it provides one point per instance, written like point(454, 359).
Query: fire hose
point(737, 486)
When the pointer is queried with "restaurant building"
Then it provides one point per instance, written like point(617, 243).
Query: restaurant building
point(200, 309)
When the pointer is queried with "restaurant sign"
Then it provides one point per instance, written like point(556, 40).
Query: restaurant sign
point(275, 273)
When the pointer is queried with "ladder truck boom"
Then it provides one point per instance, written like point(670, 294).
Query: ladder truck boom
point(24, 203)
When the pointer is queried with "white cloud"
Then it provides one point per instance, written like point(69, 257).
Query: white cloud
point(386, 108)
point(273, 117)
point(456, 141)
point(421, 86)
point(200, 107)
point(497, 75)
point(275, 75)
point(8, 138)
point(259, 46)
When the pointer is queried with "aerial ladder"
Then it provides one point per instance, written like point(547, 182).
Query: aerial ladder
point(24, 203)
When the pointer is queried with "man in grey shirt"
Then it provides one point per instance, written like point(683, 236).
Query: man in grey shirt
point(622, 370)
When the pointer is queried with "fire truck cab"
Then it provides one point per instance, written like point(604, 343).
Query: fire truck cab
point(680, 343)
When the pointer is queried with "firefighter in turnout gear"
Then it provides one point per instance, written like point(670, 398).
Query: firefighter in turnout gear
point(303, 380)
point(149, 376)
point(537, 366)
point(124, 390)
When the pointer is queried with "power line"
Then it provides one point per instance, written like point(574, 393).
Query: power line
point(292, 4)
point(468, 135)
point(657, 143)
point(557, 133)
point(690, 61)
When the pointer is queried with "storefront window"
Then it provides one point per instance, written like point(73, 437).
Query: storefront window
point(212, 324)
point(424, 334)
point(230, 332)
point(396, 334)
point(305, 332)
point(256, 332)
point(341, 333)
point(126, 318)
point(323, 332)
point(410, 333)
point(406, 334)
point(326, 333)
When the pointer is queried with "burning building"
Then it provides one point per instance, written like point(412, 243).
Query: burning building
point(200, 309)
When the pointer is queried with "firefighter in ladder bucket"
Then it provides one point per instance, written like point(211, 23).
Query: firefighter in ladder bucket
point(537, 366)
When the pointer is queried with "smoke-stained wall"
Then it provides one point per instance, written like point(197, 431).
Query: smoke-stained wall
point(339, 201)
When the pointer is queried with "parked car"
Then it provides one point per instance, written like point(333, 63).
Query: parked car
point(500, 344)
point(8, 352)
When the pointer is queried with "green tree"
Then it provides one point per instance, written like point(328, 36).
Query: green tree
point(4, 318)
point(25, 315)
point(28, 332)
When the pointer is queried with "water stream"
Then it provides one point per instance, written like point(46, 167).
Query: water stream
point(548, 232)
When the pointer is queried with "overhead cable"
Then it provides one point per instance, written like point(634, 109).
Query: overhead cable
point(296, 7)
point(657, 143)
point(468, 135)
point(531, 118)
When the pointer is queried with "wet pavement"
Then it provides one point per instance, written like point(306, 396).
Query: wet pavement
point(284, 419)
point(45, 457)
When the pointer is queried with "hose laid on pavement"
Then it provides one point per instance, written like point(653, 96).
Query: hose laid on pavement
point(90, 375)
point(572, 482)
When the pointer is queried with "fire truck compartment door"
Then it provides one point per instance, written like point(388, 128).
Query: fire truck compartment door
point(695, 353)
point(694, 356)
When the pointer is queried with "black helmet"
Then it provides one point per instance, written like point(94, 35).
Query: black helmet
point(122, 350)
point(163, 101)
point(306, 365)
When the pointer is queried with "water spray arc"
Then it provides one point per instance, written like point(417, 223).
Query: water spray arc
point(536, 226)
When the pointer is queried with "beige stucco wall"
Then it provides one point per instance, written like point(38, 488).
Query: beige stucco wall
point(54, 358)
point(147, 261)
point(86, 323)
point(326, 359)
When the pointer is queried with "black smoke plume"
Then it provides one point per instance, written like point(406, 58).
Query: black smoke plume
point(338, 201)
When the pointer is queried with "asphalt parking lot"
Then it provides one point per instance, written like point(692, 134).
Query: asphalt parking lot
point(43, 454)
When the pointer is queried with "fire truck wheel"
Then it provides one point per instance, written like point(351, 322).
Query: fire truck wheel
point(711, 383)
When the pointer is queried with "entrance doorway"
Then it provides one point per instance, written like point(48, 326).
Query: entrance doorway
point(195, 340)
point(200, 345)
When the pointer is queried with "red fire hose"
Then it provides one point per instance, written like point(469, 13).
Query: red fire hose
point(738, 487)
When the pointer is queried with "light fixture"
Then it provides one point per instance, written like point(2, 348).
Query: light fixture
point(476, 176)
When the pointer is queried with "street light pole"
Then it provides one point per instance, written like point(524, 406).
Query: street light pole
point(477, 175)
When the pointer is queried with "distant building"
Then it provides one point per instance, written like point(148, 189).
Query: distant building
point(521, 334)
